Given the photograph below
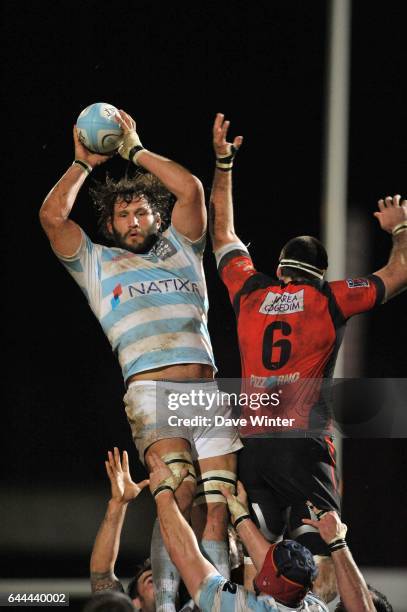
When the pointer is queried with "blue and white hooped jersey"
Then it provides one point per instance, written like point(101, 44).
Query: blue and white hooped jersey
point(216, 594)
point(152, 307)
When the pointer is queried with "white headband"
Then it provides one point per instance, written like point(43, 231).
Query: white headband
point(302, 265)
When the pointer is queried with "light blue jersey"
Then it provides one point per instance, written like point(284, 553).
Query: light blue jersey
point(220, 595)
point(152, 307)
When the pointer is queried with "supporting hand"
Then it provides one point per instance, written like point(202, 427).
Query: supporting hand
point(162, 478)
point(82, 153)
point(238, 504)
point(131, 144)
point(328, 524)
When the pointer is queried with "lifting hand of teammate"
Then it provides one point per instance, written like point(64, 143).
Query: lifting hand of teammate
point(237, 504)
point(123, 487)
point(82, 153)
point(220, 144)
point(329, 524)
point(393, 211)
point(161, 477)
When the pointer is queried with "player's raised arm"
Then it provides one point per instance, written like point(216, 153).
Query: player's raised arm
point(107, 542)
point(392, 217)
point(221, 222)
point(256, 544)
point(189, 213)
point(63, 233)
point(352, 587)
point(179, 539)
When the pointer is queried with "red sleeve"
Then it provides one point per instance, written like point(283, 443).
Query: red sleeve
point(356, 295)
point(234, 269)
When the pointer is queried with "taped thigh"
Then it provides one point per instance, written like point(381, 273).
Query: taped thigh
point(208, 489)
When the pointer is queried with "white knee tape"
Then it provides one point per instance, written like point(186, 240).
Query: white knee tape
point(208, 491)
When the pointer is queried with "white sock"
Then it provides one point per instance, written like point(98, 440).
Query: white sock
point(165, 575)
point(218, 554)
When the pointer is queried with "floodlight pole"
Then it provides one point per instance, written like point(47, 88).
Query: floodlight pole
point(334, 211)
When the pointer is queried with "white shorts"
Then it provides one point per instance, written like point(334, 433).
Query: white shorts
point(158, 410)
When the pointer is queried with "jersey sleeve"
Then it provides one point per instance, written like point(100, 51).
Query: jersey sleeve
point(85, 268)
point(356, 295)
point(235, 266)
point(197, 246)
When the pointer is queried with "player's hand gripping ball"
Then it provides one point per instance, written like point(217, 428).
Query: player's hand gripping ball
point(98, 129)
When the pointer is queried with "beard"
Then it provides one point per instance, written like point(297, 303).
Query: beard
point(149, 238)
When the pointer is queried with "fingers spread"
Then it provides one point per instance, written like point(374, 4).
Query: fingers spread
point(126, 122)
point(381, 205)
point(217, 124)
point(125, 461)
point(117, 458)
point(238, 142)
point(109, 469)
point(225, 128)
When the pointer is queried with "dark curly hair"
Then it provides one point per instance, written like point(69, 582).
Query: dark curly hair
point(132, 589)
point(104, 196)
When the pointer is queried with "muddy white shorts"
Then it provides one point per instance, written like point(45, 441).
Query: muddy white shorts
point(195, 411)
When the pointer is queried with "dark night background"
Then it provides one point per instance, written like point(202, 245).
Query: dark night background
point(173, 66)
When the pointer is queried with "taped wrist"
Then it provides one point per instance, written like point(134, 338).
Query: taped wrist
point(87, 168)
point(337, 544)
point(165, 485)
point(400, 227)
point(239, 512)
point(225, 162)
point(338, 541)
point(131, 146)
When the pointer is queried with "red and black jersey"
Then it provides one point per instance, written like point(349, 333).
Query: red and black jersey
point(289, 336)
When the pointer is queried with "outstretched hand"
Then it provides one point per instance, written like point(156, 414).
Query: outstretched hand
point(82, 153)
point(123, 487)
point(220, 144)
point(328, 524)
point(392, 212)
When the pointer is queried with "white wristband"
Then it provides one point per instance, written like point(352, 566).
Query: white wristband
point(87, 169)
point(401, 227)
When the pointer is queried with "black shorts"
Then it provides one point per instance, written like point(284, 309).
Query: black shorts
point(280, 475)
